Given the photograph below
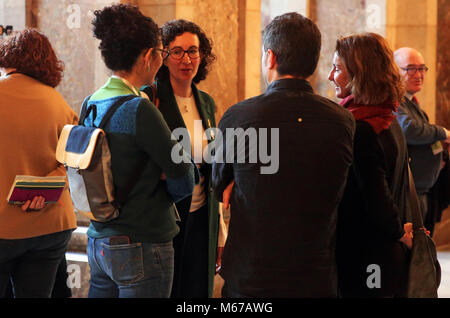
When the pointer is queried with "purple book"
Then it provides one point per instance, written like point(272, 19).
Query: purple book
point(27, 187)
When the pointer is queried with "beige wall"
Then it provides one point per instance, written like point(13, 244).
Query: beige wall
point(253, 52)
point(442, 232)
point(67, 23)
point(159, 10)
point(342, 18)
point(334, 19)
point(221, 24)
point(443, 64)
point(12, 12)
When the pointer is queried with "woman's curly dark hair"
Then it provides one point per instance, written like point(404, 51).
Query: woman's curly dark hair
point(30, 52)
point(170, 30)
point(124, 33)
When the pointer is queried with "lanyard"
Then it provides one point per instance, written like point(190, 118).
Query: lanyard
point(130, 86)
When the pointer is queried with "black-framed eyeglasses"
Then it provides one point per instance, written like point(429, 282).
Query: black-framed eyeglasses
point(164, 53)
point(178, 53)
point(411, 70)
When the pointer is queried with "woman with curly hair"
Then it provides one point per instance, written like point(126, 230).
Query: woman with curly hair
point(183, 105)
point(132, 255)
point(372, 233)
point(33, 237)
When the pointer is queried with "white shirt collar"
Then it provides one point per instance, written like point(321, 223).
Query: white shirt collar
point(126, 82)
point(409, 96)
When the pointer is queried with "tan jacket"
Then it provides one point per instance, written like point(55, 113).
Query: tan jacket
point(32, 116)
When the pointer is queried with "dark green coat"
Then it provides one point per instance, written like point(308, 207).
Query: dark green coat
point(171, 113)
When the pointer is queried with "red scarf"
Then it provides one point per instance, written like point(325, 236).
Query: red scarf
point(379, 117)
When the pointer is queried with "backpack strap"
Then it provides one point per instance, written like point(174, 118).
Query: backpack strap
point(84, 112)
point(121, 196)
point(113, 109)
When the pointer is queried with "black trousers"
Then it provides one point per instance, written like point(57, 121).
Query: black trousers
point(33, 263)
point(191, 255)
point(423, 201)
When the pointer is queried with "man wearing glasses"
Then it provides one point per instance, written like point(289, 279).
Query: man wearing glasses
point(423, 138)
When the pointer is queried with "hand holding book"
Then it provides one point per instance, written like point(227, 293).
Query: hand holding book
point(36, 204)
point(33, 193)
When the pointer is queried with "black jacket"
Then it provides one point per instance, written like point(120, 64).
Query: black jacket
point(372, 213)
point(170, 111)
point(439, 196)
point(282, 231)
point(420, 136)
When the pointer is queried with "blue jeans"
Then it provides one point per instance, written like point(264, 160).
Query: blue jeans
point(31, 264)
point(137, 270)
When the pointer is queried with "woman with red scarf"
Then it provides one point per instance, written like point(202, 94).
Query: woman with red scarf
point(373, 236)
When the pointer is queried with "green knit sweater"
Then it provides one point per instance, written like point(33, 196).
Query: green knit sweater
point(136, 130)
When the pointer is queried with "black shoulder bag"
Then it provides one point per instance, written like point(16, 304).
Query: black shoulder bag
point(424, 269)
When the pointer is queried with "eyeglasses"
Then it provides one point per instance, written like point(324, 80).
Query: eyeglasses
point(164, 53)
point(412, 70)
point(178, 53)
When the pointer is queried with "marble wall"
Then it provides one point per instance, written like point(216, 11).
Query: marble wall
point(342, 18)
point(67, 23)
point(273, 8)
point(12, 12)
point(443, 64)
point(221, 24)
point(442, 232)
point(334, 19)
point(159, 10)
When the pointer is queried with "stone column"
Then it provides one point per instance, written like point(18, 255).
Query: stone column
point(221, 24)
point(443, 64)
point(31, 11)
point(249, 49)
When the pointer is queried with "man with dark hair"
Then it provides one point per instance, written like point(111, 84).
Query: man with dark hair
point(281, 37)
point(283, 220)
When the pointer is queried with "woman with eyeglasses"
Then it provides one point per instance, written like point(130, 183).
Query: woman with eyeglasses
point(187, 59)
point(373, 236)
point(132, 255)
